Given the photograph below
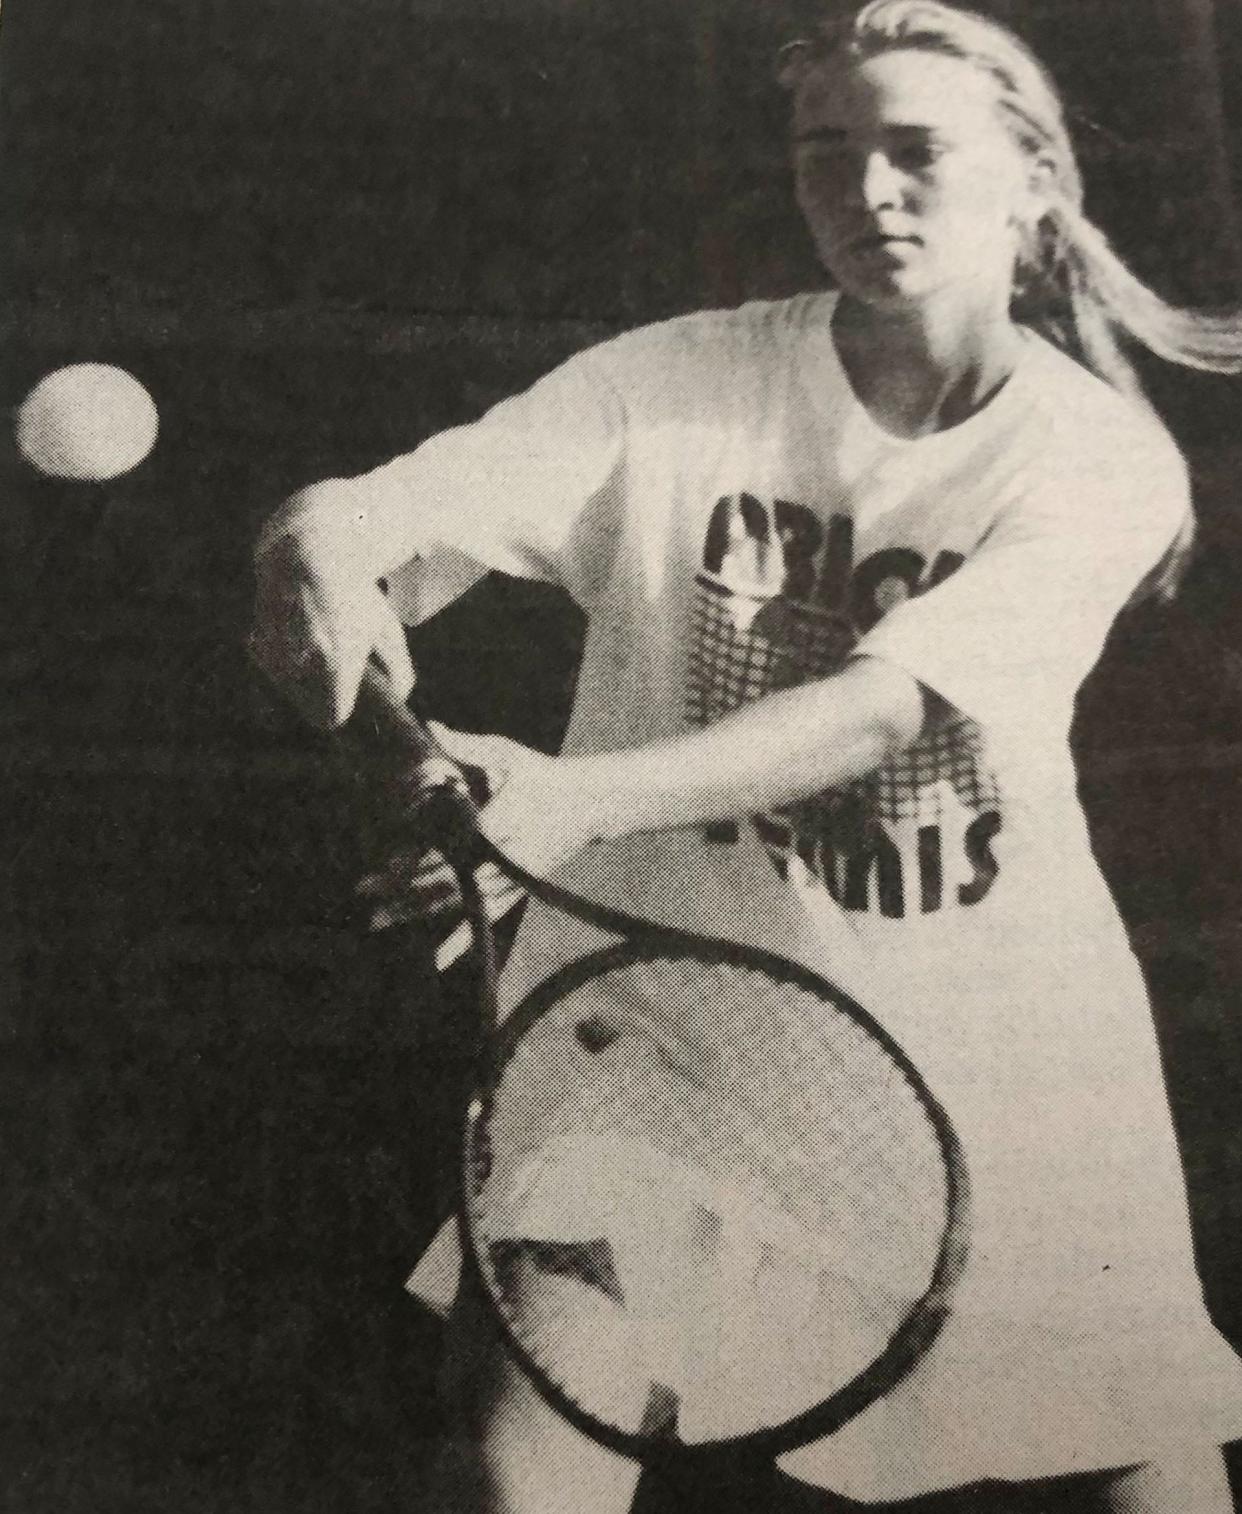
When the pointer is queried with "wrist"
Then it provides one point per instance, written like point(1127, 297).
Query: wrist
point(624, 792)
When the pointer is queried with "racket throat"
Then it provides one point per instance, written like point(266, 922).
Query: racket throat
point(660, 1417)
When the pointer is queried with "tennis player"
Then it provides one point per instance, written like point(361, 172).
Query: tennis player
point(847, 558)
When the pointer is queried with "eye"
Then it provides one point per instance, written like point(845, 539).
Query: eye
point(821, 162)
point(914, 157)
point(813, 154)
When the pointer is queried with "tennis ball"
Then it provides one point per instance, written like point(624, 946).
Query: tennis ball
point(89, 421)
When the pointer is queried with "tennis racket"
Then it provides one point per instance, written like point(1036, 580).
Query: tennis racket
point(710, 1201)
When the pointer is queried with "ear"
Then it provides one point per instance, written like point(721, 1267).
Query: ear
point(1040, 182)
point(792, 62)
point(1034, 196)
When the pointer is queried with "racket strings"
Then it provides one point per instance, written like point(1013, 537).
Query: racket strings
point(734, 1147)
point(816, 1085)
point(758, 1098)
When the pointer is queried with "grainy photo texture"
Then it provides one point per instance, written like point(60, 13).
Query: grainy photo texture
point(622, 748)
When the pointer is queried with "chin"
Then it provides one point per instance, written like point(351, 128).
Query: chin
point(894, 292)
point(879, 283)
point(901, 288)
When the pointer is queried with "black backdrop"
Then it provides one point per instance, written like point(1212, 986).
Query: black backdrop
point(318, 230)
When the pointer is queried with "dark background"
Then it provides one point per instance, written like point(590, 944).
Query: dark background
point(318, 230)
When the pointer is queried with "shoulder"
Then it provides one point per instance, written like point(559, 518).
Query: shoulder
point(1091, 432)
point(685, 367)
point(1089, 426)
point(709, 343)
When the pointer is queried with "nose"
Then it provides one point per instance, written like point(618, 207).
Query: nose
point(878, 185)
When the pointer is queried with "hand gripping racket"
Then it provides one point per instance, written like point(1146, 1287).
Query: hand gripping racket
point(710, 1201)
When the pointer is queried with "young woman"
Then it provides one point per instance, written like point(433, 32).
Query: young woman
point(847, 558)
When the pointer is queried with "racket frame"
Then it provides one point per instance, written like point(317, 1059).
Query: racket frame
point(920, 1323)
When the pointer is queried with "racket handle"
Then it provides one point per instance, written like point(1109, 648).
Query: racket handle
point(440, 804)
point(385, 724)
point(437, 788)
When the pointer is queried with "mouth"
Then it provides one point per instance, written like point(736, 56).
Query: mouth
point(880, 241)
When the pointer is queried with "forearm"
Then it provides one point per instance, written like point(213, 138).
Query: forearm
point(779, 749)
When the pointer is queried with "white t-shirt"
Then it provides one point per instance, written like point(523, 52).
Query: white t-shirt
point(732, 520)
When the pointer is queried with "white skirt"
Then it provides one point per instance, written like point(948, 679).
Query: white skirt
point(1079, 1339)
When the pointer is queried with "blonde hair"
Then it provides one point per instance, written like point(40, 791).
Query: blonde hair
point(1069, 284)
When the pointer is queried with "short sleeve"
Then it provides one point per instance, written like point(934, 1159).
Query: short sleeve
point(529, 489)
point(1010, 636)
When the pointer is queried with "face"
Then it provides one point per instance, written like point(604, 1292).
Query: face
point(908, 180)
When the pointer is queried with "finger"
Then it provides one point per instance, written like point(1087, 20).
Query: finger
point(276, 652)
point(326, 651)
point(411, 907)
point(392, 651)
point(321, 683)
point(499, 892)
point(314, 629)
point(500, 896)
point(331, 682)
point(283, 624)
point(400, 874)
point(403, 873)
point(407, 912)
point(414, 905)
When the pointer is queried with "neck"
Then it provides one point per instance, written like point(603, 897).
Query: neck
point(923, 368)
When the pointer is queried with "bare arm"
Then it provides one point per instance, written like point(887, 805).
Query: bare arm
point(781, 748)
point(778, 749)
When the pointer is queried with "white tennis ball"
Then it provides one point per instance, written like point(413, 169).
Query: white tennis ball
point(89, 421)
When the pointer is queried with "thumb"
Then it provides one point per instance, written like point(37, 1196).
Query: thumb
point(470, 748)
point(328, 688)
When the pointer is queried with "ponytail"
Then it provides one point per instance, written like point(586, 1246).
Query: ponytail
point(1090, 304)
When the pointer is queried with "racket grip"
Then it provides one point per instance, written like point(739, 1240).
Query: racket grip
point(437, 799)
point(436, 788)
point(384, 723)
